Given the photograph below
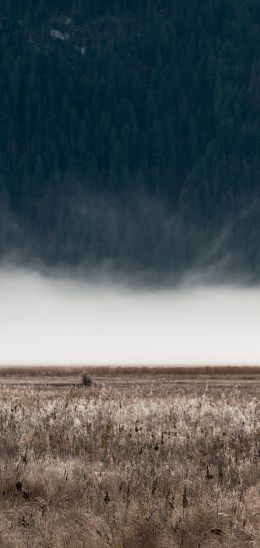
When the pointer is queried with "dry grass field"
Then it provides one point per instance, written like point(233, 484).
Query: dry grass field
point(141, 458)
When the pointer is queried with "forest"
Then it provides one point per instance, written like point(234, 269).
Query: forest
point(129, 134)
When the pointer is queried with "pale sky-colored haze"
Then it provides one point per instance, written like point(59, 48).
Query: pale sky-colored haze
point(55, 320)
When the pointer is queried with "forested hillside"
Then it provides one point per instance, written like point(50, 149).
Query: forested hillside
point(129, 132)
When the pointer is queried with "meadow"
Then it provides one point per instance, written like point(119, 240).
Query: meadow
point(141, 458)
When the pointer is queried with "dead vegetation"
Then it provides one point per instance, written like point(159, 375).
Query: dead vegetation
point(130, 465)
point(130, 370)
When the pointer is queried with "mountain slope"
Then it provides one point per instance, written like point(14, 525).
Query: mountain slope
point(159, 98)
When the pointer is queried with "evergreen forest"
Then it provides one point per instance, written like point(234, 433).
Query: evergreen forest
point(129, 134)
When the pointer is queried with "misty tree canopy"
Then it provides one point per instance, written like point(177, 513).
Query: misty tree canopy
point(129, 132)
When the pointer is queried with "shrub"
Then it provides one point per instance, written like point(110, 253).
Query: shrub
point(86, 380)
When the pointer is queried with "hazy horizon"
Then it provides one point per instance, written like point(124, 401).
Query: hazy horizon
point(55, 320)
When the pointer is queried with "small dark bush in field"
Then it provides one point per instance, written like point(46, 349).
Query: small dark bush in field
point(86, 380)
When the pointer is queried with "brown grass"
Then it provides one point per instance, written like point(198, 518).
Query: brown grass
point(123, 370)
point(134, 462)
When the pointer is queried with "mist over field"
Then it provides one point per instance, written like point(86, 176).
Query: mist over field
point(54, 320)
point(129, 252)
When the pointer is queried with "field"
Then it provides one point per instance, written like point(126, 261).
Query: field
point(153, 458)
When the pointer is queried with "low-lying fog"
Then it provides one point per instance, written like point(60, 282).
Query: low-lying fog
point(48, 320)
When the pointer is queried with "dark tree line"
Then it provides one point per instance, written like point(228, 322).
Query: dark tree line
point(109, 108)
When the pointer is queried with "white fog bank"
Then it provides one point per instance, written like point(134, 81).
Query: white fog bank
point(46, 320)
